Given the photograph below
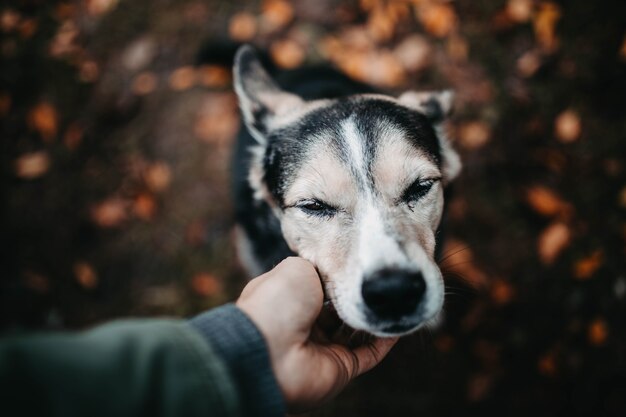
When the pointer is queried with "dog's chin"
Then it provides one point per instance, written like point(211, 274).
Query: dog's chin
point(395, 329)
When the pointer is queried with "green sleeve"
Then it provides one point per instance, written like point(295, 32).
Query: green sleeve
point(127, 368)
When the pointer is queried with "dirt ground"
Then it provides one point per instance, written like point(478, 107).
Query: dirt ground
point(117, 119)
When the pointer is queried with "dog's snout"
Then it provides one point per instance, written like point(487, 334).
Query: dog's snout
point(391, 294)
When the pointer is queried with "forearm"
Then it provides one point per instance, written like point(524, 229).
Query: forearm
point(128, 368)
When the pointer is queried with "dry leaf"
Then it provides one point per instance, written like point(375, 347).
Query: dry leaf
point(32, 165)
point(502, 292)
point(85, 275)
point(287, 53)
point(144, 83)
point(145, 206)
point(27, 28)
point(585, 268)
point(552, 241)
point(110, 213)
point(9, 19)
point(242, 27)
point(276, 14)
point(547, 364)
point(598, 332)
point(158, 176)
point(546, 202)
point(36, 282)
point(474, 135)
point(88, 72)
point(206, 285)
point(182, 78)
point(214, 76)
point(528, 64)
point(73, 136)
point(519, 10)
point(438, 19)
point(218, 119)
point(458, 259)
point(100, 7)
point(44, 119)
point(567, 126)
point(414, 53)
point(381, 24)
point(544, 23)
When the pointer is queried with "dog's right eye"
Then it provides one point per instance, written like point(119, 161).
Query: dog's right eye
point(316, 208)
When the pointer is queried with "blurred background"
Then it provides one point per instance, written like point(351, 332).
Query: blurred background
point(117, 120)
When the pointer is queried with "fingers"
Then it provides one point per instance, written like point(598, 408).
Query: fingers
point(363, 358)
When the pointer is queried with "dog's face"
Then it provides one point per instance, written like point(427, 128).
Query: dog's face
point(357, 184)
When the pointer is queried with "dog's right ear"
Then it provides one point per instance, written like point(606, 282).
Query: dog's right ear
point(261, 101)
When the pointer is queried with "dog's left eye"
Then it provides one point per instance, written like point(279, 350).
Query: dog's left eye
point(316, 208)
point(417, 190)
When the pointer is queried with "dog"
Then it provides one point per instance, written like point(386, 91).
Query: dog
point(351, 180)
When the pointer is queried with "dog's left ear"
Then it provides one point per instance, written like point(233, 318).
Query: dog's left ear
point(261, 100)
point(437, 106)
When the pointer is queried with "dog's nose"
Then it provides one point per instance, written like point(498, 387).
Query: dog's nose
point(391, 294)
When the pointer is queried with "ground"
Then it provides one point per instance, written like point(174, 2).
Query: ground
point(117, 121)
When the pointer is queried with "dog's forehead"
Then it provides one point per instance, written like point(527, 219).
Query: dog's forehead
point(377, 140)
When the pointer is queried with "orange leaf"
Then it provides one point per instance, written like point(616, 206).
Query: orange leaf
point(43, 118)
point(242, 27)
point(110, 213)
point(567, 126)
point(545, 202)
point(474, 135)
point(438, 19)
point(32, 165)
point(85, 275)
point(598, 332)
point(544, 23)
point(552, 241)
point(206, 285)
point(585, 268)
point(182, 78)
point(158, 176)
point(287, 53)
point(145, 206)
point(144, 83)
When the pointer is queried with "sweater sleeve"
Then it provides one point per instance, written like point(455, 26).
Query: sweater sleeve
point(238, 341)
point(126, 368)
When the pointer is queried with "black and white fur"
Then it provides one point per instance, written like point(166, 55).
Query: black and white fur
point(350, 180)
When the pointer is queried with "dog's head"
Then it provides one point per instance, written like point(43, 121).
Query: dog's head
point(357, 184)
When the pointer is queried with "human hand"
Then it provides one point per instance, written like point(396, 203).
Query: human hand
point(310, 369)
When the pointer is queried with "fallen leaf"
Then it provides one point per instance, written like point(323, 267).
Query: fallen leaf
point(519, 10)
point(502, 292)
point(100, 7)
point(44, 119)
point(438, 19)
point(459, 260)
point(36, 282)
point(474, 135)
point(27, 28)
point(276, 14)
point(110, 213)
point(32, 165)
point(158, 176)
point(544, 24)
point(9, 19)
point(567, 126)
point(585, 268)
point(73, 136)
point(381, 24)
point(598, 332)
point(145, 206)
point(528, 64)
point(218, 119)
point(547, 364)
point(414, 53)
point(88, 72)
point(182, 78)
point(242, 27)
point(214, 76)
point(287, 53)
point(144, 83)
point(85, 275)
point(546, 202)
point(552, 241)
point(206, 285)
